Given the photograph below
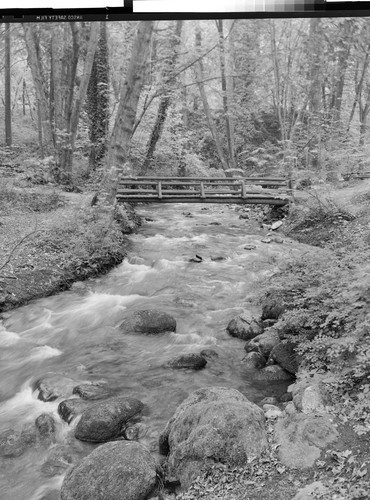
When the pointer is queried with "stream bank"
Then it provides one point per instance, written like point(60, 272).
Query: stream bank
point(51, 239)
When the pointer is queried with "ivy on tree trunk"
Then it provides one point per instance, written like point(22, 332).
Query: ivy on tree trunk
point(98, 101)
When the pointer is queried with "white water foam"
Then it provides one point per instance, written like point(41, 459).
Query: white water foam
point(53, 484)
point(92, 311)
point(7, 337)
point(163, 264)
point(191, 339)
point(44, 352)
point(134, 272)
point(25, 404)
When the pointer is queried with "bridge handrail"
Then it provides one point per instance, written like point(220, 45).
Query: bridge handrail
point(209, 179)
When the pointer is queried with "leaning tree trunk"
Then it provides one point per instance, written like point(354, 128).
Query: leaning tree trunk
point(166, 99)
point(118, 152)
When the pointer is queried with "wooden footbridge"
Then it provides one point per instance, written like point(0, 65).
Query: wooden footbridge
point(246, 190)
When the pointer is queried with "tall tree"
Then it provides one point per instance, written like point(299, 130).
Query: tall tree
point(34, 61)
point(98, 100)
point(73, 107)
point(168, 81)
point(315, 59)
point(118, 152)
point(226, 93)
point(8, 98)
point(199, 74)
point(59, 103)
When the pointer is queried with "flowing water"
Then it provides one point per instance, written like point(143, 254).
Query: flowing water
point(76, 333)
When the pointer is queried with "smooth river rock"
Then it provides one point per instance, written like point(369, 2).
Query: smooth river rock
point(122, 470)
point(215, 424)
point(52, 386)
point(149, 322)
point(264, 343)
point(92, 391)
point(254, 360)
point(244, 326)
point(11, 444)
point(284, 354)
point(106, 420)
point(71, 408)
point(272, 373)
point(273, 304)
point(45, 424)
point(191, 361)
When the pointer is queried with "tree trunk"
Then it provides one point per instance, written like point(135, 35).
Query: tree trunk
point(73, 112)
point(165, 99)
point(199, 74)
point(39, 83)
point(225, 95)
point(8, 98)
point(118, 152)
point(315, 43)
point(364, 110)
point(344, 49)
point(359, 85)
point(98, 101)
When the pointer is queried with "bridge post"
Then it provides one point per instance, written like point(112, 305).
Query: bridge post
point(243, 189)
point(202, 195)
point(159, 189)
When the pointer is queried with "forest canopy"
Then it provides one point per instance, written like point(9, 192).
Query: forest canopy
point(288, 96)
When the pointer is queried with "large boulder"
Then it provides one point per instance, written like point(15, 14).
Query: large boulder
point(302, 437)
point(264, 343)
point(123, 470)
point(244, 326)
point(284, 354)
point(107, 420)
point(214, 424)
point(52, 386)
point(149, 322)
point(191, 361)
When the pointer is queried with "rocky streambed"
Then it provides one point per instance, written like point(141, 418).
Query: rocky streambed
point(139, 378)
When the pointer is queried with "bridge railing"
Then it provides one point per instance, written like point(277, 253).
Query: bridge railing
point(203, 188)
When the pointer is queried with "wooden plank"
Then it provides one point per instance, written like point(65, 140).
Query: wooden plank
point(172, 192)
point(205, 179)
point(247, 201)
point(197, 196)
point(159, 187)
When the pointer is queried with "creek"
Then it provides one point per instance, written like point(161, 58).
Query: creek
point(76, 333)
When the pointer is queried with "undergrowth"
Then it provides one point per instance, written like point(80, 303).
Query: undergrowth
point(83, 239)
point(329, 314)
point(14, 199)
